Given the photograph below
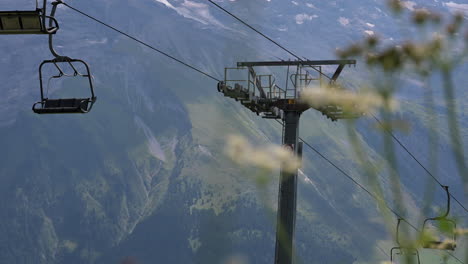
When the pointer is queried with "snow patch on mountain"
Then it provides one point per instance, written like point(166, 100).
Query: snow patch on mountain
point(301, 18)
point(153, 145)
point(194, 10)
point(94, 42)
point(282, 28)
point(410, 5)
point(455, 7)
point(205, 151)
point(343, 21)
point(318, 190)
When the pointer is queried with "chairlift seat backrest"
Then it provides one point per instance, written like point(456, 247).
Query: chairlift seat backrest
point(25, 22)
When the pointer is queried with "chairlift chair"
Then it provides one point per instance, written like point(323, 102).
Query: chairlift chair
point(28, 22)
point(64, 105)
point(438, 244)
point(67, 105)
point(401, 250)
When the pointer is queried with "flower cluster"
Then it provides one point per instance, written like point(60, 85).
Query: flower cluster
point(268, 157)
point(423, 54)
point(363, 102)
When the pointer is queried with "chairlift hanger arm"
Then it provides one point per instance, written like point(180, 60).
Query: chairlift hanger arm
point(448, 201)
point(402, 248)
point(51, 45)
point(443, 216)
point(398, 232)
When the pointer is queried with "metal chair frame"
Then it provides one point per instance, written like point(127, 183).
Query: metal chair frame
point(44, 99)
point(400, 247)
point(40, 13)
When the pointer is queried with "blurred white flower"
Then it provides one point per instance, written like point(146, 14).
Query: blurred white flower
point(364, 102)
point(461, 232)
point(268, 157)
point(446, 244)
point(236, 259)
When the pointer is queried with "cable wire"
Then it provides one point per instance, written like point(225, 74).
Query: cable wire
point(351, 178)
point(417, 161)
point(263, 35)
point(383, 251)
point(254, 29)
point(367, 191)
point(143, 43)
point(297, 57)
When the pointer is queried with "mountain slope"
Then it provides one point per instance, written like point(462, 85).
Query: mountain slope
point(143, 175)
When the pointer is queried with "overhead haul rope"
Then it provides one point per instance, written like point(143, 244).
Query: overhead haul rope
point(265, 36)
point(143, 43)
point(420, 164)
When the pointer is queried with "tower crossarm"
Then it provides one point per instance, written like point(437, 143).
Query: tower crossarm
point(261, 94)
point(296, 63)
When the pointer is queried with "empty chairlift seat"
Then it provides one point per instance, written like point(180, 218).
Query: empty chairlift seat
point(448, 241)
point(26, 22)
point(65, 105)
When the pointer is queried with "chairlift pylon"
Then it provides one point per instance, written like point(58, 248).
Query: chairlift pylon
point(64, 105)
point(401, 250)
point(438, 244)
point(28, 22)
